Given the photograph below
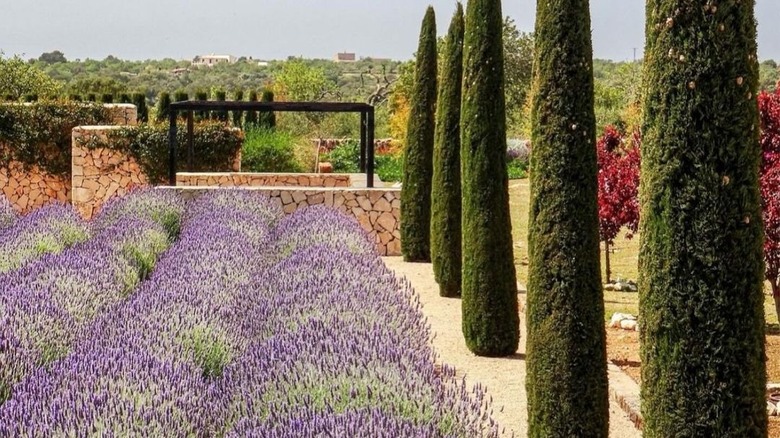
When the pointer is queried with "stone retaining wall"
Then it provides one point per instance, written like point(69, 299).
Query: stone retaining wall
point(99, 174)
point(376, 210)
point(29, 188)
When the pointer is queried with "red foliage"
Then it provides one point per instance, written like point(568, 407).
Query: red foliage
point(769, 107)
point(618, 178)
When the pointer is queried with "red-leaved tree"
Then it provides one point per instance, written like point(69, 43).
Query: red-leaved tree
point(769, 108)
point(618, 201)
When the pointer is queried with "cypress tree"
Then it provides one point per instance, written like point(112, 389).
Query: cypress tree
point(418, 156)
point(201, 95)
point(491, 324)
point(107, 98)
point(180, 96)
point(251, 116)
point(222, 116)
point(238, 96)
point(566, 345)
point(163, 104)
point(125, 98)
point(445, 195)
point(91, 97)
point(701, 267)
point(139, 100)
point(267, 119)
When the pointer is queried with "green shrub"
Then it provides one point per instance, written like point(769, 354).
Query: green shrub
point(517, 169)
point(390, 168)
point(345, 158)
point(41, 133)
point(269, 151)
point(216, 147)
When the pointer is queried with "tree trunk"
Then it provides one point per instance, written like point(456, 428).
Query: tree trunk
point(608, 269)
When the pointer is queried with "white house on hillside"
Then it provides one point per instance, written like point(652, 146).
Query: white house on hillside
point(212, 60)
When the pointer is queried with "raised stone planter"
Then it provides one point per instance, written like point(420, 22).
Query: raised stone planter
point(378, 211)
point(101, 173)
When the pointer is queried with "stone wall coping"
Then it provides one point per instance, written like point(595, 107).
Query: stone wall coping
point(273, 174)
point(97, 128)
point(287, 188)
point(119, 105)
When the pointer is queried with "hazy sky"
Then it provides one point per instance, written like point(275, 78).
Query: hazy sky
point(275, 29)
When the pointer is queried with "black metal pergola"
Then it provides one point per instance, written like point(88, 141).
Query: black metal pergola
point(190, 106)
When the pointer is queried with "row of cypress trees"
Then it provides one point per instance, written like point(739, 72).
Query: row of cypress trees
point(264, 119)
point(701, 302)
point(455, 195)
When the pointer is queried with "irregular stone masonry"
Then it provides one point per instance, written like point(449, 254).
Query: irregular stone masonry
point(381, 145)
point(377, 210)
point(29, 188)
point(262, 179)
point(101, 173)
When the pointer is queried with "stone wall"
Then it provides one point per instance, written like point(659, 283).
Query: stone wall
point(29, 188)
point(263, 179)
point(101, 173)
point(376, 210)
point(122, 114)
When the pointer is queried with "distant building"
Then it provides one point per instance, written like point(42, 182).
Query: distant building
point(179, 71)
point(212, 60)
point(345, 57)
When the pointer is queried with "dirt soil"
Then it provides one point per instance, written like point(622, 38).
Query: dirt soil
point(623, 351)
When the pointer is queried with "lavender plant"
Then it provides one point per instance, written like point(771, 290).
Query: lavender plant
point(49, 229)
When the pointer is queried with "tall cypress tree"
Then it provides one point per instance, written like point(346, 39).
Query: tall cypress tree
point(566, 346)
point(221, 115)
point(238, 96)
point(267, 119)
point(701, 267)
point(251, 116)
point(418, 156)
point(139, 100)
point(201, 95)
point(445, 195)
point(491, 323)
point(163, 107)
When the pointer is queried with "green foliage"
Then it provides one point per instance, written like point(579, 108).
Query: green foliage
point(517, 169)
point(52, 57)
point(222, 116)
point(269, 150)
point(446, 193)
point(267, 119)
point(107, 98)
point(701, 260)
point(125, 98)
point(300, 82)
point(418, 160)
point(181, 96)
point(163, 107)
point(518, 63)
point(389, 168)
point(566, 346)
point(97, 86)
point(41, 133)
point(210, 350)
point(19, 78)
point(216, 147)
point(345, 157)
point(489, 289)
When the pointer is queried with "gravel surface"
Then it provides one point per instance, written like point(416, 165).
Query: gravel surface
point(503, 377)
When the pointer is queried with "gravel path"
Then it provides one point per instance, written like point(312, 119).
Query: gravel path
point(503, 377)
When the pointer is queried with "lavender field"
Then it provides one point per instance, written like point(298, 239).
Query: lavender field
point(217, 317)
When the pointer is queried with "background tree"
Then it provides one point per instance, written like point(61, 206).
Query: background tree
point(489, 290)
point(267, 119)
point(518, 70)
point(769, 108)
point(618, 182)
point(19, 78)
point(446, 193)
point(52, 57)
point(566, 346)
point(700, 263)
point(418, 157)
